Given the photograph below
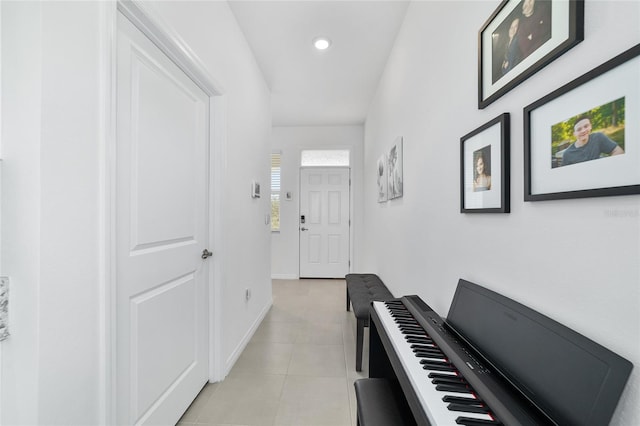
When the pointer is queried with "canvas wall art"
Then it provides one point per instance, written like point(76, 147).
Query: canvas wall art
point(395, 181)
point(382, 179)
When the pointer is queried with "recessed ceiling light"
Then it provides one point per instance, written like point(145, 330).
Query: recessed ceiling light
point(322, 43)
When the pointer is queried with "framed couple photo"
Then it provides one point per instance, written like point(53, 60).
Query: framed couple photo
point(520, 38)
point(484, 168)
point(583, 140)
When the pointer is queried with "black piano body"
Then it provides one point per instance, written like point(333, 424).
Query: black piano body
point(526, 367)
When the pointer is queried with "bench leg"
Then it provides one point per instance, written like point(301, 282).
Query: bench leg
point(359, 339)
point(348, 300)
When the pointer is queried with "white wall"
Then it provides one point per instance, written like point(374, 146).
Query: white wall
point(573, 260)
point(21, 209)
point(52, 188)
point(291, 141)
point(50, 212)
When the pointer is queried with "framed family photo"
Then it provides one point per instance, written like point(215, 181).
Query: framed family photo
point(520, 38)
point(583, 140)
point(484, 168)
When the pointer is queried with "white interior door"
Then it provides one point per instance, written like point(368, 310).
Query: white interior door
point(324, 235)
point(161, 231)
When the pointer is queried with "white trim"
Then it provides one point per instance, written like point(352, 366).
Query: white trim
point(178, 51)
point(218, 111)
point(233, 358)
point(0, 195)
point(171, 44)
point(106, 221)
point(284, 277)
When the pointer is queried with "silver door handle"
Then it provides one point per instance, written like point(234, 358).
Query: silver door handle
point(304, 229)
point(205, 254)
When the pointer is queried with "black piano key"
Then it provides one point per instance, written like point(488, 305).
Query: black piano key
point(397, 307)
point(406, 322)
point(401, 315)
point(428, 347)
point(462, 400)
point(469, 421)
point(415, 339)
point(454, 388)
point(411, 327)
point(439, 368)
point(466, 408)
point(430, 355)
point(424, 340)
point(416, 336)
point(451, 379)
point(435, 362)
point(422, 353)
point(405, 329)
point(441, 376)
point(410, 330)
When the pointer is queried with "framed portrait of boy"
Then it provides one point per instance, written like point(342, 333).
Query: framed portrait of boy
point(484, 168)
point(520, 38)
point(582, 139)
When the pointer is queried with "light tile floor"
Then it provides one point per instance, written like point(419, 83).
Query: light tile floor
point(297, 370)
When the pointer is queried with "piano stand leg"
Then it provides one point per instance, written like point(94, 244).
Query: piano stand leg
point(359, 339)
point(378, 405)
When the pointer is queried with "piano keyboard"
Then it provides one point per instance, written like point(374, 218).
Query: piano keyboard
point(445, 395)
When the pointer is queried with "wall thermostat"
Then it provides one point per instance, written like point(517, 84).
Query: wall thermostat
point(255, 189)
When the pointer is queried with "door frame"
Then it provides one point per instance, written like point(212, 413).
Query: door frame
point(170, 43)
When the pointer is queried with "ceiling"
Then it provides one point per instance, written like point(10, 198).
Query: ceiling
point(310, 87)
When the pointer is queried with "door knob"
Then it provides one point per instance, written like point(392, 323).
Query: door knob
point(304, 229)
point(206, 253)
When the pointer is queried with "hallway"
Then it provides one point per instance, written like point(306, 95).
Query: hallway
point(298, 369)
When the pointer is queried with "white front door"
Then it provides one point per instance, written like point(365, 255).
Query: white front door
point(324, 222)
point(161, 231)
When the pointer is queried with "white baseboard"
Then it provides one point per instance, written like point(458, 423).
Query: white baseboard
point(245, 340)
point(284, 276)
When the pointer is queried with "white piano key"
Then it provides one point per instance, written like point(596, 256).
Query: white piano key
point(429, 397)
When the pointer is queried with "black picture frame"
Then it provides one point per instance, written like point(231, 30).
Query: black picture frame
point(601, 98)
point(485, 186)
point(543, 33)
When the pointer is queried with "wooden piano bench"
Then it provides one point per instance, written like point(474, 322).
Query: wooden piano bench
point(362, 289)
point(378, 406)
